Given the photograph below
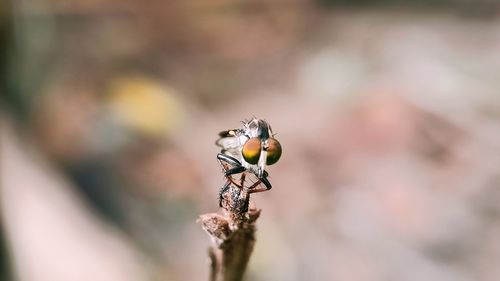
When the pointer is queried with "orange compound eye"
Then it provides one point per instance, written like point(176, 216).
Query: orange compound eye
point(251, 150)
point(273, 152)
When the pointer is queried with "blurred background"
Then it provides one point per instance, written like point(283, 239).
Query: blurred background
point(388, 113)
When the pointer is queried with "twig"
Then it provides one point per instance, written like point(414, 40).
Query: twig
point(233, 235)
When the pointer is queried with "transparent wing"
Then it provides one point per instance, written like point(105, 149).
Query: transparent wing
point(229, 139)
point(230, 142)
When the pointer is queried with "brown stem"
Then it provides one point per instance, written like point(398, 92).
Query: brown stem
point(233, 235)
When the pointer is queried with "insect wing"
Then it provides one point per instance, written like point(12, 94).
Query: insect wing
point(228, 133)
point(228, 143)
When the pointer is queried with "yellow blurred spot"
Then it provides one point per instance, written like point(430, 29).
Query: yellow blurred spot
point(145, 105)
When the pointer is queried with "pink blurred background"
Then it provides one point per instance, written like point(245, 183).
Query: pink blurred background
point(388, 114)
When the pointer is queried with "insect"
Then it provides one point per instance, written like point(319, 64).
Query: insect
point(248, 150)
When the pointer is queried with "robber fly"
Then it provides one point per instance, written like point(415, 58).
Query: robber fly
point(248, 150)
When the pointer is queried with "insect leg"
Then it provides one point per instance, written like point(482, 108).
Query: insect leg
point(265, 181)
point(228, 159)
point(235, 170)
point(222, 191)
point(242, 179)
point(237, 167)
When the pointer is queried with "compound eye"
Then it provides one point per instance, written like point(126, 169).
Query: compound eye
point(273, 152)
point(251, 150)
